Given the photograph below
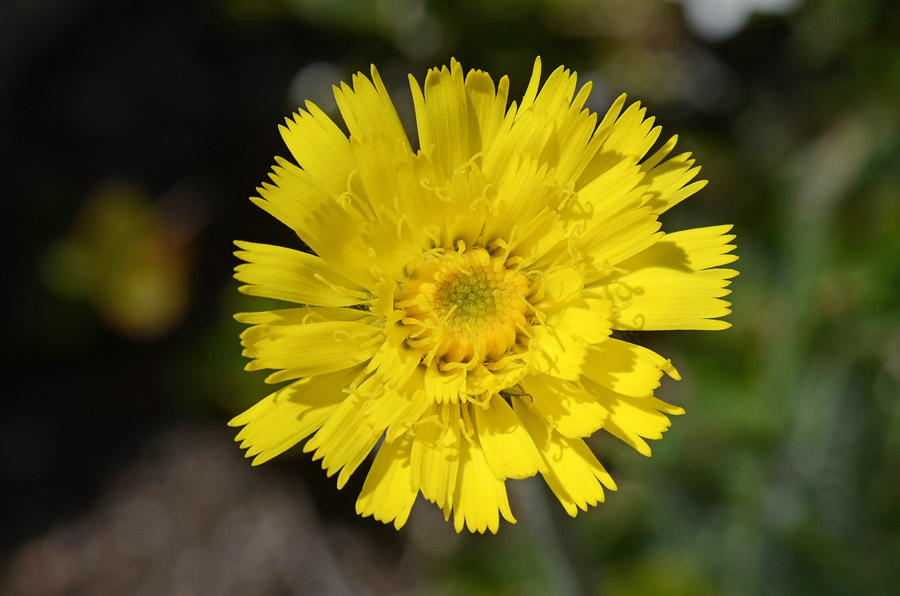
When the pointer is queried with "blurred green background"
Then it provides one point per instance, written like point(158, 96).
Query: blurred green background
point(131, 134)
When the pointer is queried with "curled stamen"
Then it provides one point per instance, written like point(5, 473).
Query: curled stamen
point(365, 345)
point(537, 282)
point(434, 234)
point(524, 330)
point(416, 322)
point(345, 200)
point(429, 357)
point(466, 426)
point(483, 403)
point(516, 391)
point(358, 380)
point(439, 191)
point(536, 312)
point(349, 199)
point(502, 362)
point(305, 319)
point(415, 339)
point(470, 164)
point(474, 361)
point(362, 204)
point(449, 314)
point(568, 194)
point(513, 233)
point(433, 419)
point(514, 263)
point(343, 290)
point(500, 249)
point(475, 202)
point(339, 335)
point(406, 304)
point(374, 270)
point(465, 270)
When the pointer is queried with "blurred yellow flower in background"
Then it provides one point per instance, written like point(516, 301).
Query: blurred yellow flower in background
point(130, 257)
point(457, 310)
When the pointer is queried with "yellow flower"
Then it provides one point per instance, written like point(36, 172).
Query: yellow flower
point(457, 309)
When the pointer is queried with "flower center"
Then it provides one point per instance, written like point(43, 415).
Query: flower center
point(464, 306)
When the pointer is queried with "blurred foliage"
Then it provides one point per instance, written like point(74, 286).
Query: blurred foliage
point(782, 478)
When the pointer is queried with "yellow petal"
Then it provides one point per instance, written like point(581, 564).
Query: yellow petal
point(668, 182)
point(533, 84)
point(319, 147)
point(444, 386)
point(587, 320)
point(486, 108)
point(560, 286)
point(442, 116)
point(573, 472)
point(574, 134)
point(633, 419)
point(626, 368)
point(388, 494)
point(289, 415)
point(482, 380)
point(479, 498)
point(367, 109)
point(448, 210)
point(621, 235)
point(689, 250)
point(331, 230)
point(465, 208)
point(398, 193)
point(556, 353)
point(310, 348)
point(680, 301)
point(344, 440)
point(668, 286)
point(515, 141)
point(435, 453)
point(548, 128)
point(508, 448)
point(633, 134)
point(540, 241)
point(559, 345)
point(391, 405)
point(521, 195)
point(565, 406)
point(301, 316)
point(285, 274)
point(555, 95)
point(616, 224)
point(627, 140)
point(592, 169)
point(619, 188)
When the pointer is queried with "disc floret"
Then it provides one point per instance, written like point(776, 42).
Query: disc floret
point(465, 306)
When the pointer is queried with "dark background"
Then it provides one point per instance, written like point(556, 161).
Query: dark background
point(131, 134)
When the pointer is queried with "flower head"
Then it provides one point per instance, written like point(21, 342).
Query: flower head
point(456, 312)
